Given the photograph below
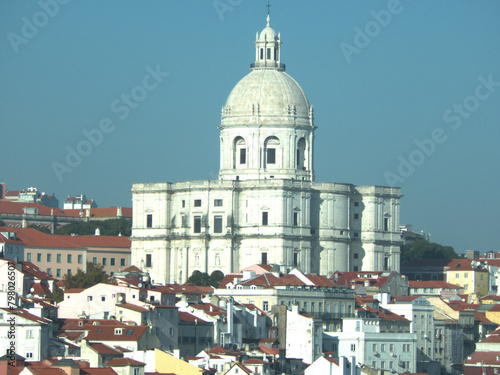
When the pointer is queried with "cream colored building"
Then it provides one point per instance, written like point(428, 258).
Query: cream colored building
point(265, 207)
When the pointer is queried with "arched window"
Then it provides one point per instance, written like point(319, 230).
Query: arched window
point(301, 153)
point(240, 152)
point(271, 147)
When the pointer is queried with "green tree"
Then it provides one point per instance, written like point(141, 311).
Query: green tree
point(111, 227)
point(57, 295)
point(423, 249)
point(203, 279)
point(216, 278)
point(40, 229)
point(199, 278)
point(94, 275)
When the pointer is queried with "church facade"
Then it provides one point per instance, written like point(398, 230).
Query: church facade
point(265, 207)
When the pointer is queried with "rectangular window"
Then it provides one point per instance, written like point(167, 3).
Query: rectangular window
point(218, 202)
point(69, 271)
point(382, 348)
point(149, 221)
point(269, 53)
point(58, 272)
point(374, 348)
point(271, 156)
point(49, 258)
point(49, 271)
point(149, 261)
point(356, 216)
point(466, 275)
point(295, 218)
point(262, 53)
point(295, 259)
point(183, 204)
point(265, 306)
point(457, 275)
point(80, 259)
point(218, 224)
point(122, 262)
point(59, 258)
point(265, 218)
point(243, 155)
point(355, 255)
point(356, 268)
point(263, 258)
point(112, 262)
point(70, 258)
point(197, 202)
point(38, 257)
point(94, 260)
point(28, 257)
point(197, 224)
point(356, 204)
point(353, 347)
point(104, 261)
point(386, 224)
point(391, 347)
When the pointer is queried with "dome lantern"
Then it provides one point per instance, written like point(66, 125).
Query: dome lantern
point(267, 49)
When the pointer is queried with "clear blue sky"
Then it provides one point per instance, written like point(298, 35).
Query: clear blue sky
point(400, 86)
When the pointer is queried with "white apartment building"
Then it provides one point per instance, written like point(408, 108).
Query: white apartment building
point(304, 336)
point(379, 344)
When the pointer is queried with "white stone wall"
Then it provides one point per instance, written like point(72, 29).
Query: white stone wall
point(334, 229)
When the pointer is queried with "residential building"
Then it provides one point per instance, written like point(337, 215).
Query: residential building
point(377, 338)
point(30, 333)
point(420, 313)
point(315, 295)
point(266, 206)
point(434, 288)
point(470, 274)
point(79, 202)
point(59, 255)
point(304, 336)
point(425, 269)
point(31, 195)
point(372, 283)
point(330, 366)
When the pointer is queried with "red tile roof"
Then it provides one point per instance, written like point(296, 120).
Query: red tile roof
point(465, 265)
point(481, 317)
point(255, 361)
point(132, 269)
point(104, 349)
point(433, 284)
point(8, 207)
point(35, 271)
point(492, 297)
point(107, 333)
point(26, 315)
point(74, 324)
point(349, 278)
point(483, 358)
point(270, 351)
point(187, 317)
point(124, 362)
point(133, 307)
point(384, 314)
point(98, 371)
point(96, 241)
point(34, 238)
point(39, 288)
point(229, 279)
point(329, 359)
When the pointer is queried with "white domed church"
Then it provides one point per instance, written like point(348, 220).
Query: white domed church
point(265, 207)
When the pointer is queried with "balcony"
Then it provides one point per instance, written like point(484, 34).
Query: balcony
point(268, 65)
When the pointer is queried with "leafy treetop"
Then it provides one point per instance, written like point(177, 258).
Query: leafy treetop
point(423, 249)
point(203, 279)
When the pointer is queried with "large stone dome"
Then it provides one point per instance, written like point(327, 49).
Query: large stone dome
point(269, 94)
